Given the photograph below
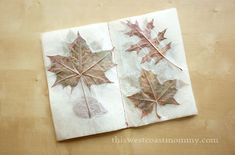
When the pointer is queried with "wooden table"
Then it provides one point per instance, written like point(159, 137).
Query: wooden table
point(26, 127)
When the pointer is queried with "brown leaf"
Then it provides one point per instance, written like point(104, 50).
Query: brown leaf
point(81, 63)
point(146, 41)
point(85, 67)
point(153, 93)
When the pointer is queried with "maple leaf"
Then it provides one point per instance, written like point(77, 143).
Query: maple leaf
point(81, 65)
point(153, 93)
point(147, 41)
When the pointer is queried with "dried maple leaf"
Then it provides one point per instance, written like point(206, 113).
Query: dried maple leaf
point(146, 41)
point(82, 66)
point(153, 93)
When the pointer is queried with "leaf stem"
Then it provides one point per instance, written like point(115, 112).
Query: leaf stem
point(87, 105)
point(156, 110)
point(159, 51)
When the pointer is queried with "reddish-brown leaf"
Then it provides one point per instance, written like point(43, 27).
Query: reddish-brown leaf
point(147, 42)
point(85, 67)
point(153, 93)
point(81, 63)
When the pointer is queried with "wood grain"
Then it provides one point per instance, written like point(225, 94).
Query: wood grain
point(25, 120)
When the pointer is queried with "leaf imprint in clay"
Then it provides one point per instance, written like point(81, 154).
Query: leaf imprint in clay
point(81, 65)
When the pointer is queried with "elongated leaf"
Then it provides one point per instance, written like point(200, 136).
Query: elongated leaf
point(147, 42)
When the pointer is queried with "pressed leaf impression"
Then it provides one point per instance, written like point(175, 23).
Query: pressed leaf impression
point(153, 93)
point(155, 50)
point(82, 67)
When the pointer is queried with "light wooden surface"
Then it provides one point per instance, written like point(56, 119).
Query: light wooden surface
point(25, 120)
